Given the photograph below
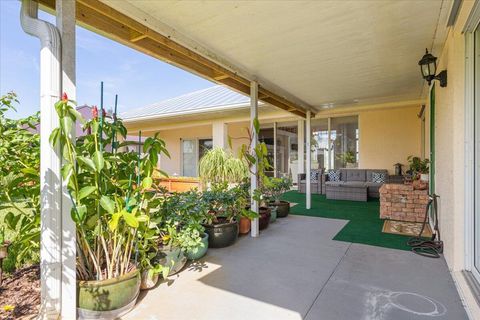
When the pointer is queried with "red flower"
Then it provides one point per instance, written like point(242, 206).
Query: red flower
point(94, 112)
point(104, 114)
point(64, 97)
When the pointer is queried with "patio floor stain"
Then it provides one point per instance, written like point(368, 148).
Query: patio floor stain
point(364, 224)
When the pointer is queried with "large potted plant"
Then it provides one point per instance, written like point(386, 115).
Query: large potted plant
point(186, 212)
point(220, 166)
point(225, 206)
point(275, 188)
point(109, 191)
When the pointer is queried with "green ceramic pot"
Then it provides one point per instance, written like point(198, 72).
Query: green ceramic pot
point(200, 251)
point(283, 208)
point(173, 257)
point(273, 213)
point(108, 298)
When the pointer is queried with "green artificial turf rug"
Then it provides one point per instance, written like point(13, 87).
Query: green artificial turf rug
point(364, 226)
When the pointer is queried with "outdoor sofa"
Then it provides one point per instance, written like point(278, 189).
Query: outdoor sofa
point(354, 184)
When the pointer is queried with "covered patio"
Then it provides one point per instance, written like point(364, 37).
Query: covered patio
point(295, 270)
point(357, 57)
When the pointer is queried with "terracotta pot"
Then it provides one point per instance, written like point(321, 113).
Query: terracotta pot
point(264, 218)
point(148, 282)
point(244, 225)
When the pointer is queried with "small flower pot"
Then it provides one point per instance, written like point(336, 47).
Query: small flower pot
point(244, 225)
point(4, 250)
point(264, 218)
point(283, 208)
point(200, 251)
point(222, 234)
point(148, 281)
point(273, 213)
point(108, 299)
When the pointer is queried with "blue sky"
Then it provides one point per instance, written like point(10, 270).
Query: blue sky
point(138, 79)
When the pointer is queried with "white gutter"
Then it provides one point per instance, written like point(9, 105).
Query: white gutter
point(50, 159)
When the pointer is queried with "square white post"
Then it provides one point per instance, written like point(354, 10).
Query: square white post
point(308, 136)
point(275, 173)
point(219, 134)
point(253, 176)
point(66, 26)
point(301, 147)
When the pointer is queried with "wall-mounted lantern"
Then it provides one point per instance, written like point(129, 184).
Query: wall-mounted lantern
point(428, 67)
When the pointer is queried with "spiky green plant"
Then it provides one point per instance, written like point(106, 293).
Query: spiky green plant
point(219, 166)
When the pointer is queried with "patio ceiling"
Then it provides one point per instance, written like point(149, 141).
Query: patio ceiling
point(325, 53)
point(307, 55)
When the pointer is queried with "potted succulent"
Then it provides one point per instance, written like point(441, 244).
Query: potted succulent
point(419, 168)
point(275, 188)
point(110, 193)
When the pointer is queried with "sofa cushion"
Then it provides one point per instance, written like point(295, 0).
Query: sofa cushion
point(334, 175)
point(334, 183)
point(314, 175)
point(355, 175)
point(378, 177)
point(370, 171)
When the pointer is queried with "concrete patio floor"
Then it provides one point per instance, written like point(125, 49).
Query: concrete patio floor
point(295, 271)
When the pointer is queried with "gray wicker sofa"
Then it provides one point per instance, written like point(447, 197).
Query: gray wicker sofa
point(315, 184)
point(354, 184)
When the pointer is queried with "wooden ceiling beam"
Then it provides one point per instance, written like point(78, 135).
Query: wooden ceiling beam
point(103, 19)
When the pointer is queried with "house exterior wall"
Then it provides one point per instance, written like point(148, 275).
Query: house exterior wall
point(388, 137)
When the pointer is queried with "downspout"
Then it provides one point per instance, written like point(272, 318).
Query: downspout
point(50, 159)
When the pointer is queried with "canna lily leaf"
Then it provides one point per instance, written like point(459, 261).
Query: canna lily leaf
point(113, 223)
point(130, 219)
point(147, 183)
point(107, 204)
point(98, 160)
point(85, 192)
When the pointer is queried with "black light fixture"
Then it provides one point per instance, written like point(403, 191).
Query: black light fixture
point(428, 67)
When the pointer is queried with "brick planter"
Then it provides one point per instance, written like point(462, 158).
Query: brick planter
point(401, 202)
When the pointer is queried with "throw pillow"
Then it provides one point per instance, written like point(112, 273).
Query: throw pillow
point(378, 177)
point(313, 175)
point(334, 175)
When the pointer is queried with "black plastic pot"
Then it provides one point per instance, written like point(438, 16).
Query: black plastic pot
point(283, 208)
point(264, 218)
point(222, 235)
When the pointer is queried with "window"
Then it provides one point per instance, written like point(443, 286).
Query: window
point(192, 151)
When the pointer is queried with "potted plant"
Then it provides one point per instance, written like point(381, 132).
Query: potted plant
point(188, 210)
point(225, 206)
point(348, 159)
point(220, 166)
point(110, 194)
point(419, 168)
point(275, 188)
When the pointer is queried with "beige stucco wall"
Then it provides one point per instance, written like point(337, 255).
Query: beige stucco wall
point(172, 139)
point(449, 144)
point(388, 136)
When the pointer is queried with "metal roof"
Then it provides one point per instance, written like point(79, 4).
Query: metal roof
point(216, 97)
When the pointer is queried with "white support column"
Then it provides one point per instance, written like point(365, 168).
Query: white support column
point(50, 160)
point(275, 172)
point(220, 134)
point(329, 148)
point(308, 136)
point(253, 176)
point(66, 26)
point(301, 147)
